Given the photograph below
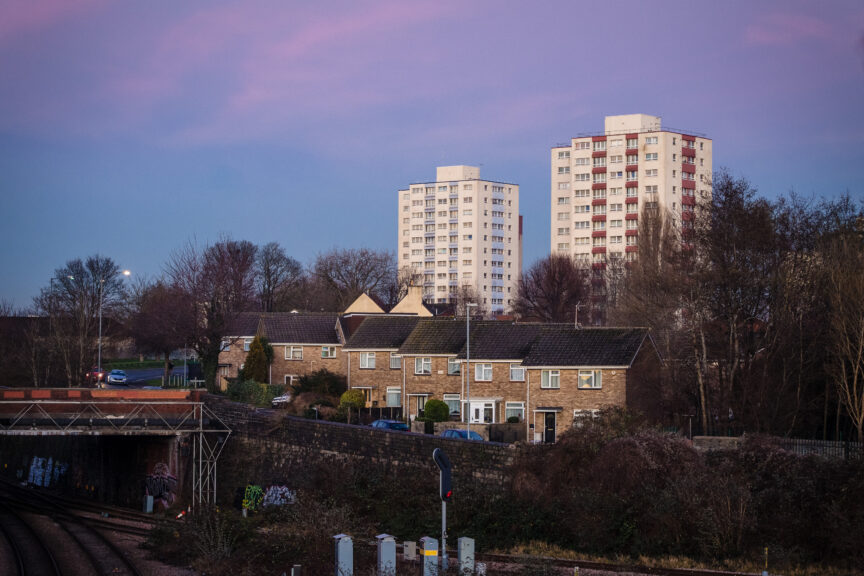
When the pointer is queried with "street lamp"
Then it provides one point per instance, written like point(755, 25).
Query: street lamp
point(126, 273)
point(468, 306)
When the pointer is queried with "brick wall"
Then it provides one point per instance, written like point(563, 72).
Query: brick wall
point(271, 448)
point(378, 378)
point(281, 366)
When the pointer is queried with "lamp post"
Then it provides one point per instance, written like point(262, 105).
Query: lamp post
point(126, 273)
point(468, 306)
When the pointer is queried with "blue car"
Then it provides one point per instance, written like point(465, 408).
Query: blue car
point(391, 425)
point(461, 434)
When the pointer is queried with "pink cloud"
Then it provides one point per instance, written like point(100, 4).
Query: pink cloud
point(785, 28)
point(17, 16)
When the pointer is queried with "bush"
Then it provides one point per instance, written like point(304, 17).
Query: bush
point(513, 420)
point(436, 411)
point(257, 360)
point(250, 392)
point(321, 382)
point(352, 400)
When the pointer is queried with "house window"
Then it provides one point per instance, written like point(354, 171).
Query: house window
point(582, 417)
point(291, 379)
point(651, 156)
point(328, 352)
point(651, 140)
point(516, 409)
point(452, 401)
point(367, 360)
point(517, 373)
point(293, 352)
point(590, 379)
point(395, 361)
point(246, 343)
point(423, 366)
point(394, 397)
point(225, 346)
point(483, 372)
point(452, 366)
point(550, 379)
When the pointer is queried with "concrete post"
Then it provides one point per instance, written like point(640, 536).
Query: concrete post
point(466, 555)
point(344, 555)
point(409, 550)
point(430, 556)
point(386, 555)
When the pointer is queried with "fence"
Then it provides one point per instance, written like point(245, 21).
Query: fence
point(824, 448)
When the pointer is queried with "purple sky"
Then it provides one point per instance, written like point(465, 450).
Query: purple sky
point(128, 128)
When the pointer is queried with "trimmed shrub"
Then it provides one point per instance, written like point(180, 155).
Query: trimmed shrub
point(436, 411)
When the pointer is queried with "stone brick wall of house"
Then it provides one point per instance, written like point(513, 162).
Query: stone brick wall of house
point(570, 397)
point(378, 378)
point(435, 384)
point(288, 447)
point(281, 366)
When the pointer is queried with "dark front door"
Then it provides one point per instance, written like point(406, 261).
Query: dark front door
point(549, 428)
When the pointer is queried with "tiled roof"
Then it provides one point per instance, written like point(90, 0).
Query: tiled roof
point(501, 340)
point(245, 324)
point(433, 336)
point(291, 328)
point(382, 332)
point(560, 345)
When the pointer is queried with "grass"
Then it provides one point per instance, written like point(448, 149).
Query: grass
point(131, 363)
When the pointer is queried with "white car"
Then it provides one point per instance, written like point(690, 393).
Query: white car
point(117, 377)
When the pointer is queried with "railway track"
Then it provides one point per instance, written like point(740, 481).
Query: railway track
point(31, 547)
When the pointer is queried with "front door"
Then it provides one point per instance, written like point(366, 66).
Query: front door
point(549, 428)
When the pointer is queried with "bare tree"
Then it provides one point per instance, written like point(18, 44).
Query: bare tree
point(277, 277)
point(396, 287)
point(73, 301)
point(349, 272)
point(464, 295)
point(219, 284)
point(551, 289)
point(846, 345)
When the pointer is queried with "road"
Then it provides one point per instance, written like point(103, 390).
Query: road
point(138, 377)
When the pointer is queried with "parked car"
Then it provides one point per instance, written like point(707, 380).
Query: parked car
point(461, 434)
point(391, 425)
point(95, 376)
point(117, 377)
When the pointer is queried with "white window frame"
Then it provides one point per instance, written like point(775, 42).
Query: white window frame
point(514, 368)
point(482, 372)
point(514, 406)
point(289, 352)
point(367, 360)
point(423, 366)
point(393, 390)
point(328, 352)
point(398, 361)
point(550, 379)
point(451, 371)
point(225, 346)
point(590, 379)
point(448, 398)
point(290, 379)
point(247, 343)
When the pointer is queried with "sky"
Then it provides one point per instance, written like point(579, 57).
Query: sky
point(129, 129)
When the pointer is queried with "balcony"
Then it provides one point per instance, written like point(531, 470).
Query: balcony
point(688, 200)
point(598, 218)
point(631, 248)
point(689, 168)
point(598, 202)
point(631, 216)
point(686, 216)
point(632, 183)
point(598, 250)
point(598, 186)
point(632, 168)
point(598, 266)
point(598, 234)
point(631, 233)
point(631, 200)
point(598, 170)
point(632, 151)
point(688, 184)
point(691, 152)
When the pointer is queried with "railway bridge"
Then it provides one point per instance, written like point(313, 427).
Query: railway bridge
point(136, 415)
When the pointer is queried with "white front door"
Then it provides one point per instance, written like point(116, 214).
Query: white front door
point(482, 412)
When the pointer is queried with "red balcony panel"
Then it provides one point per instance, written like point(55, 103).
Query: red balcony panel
point(598, 266)
point(598, 186)
point(631, 200)
point(690, 168)
point(631, 136)
point(686, 216)
point(598, 138)
point(598, 154)
point(598, 234)
point(688, 152)
point(632, 167)
point(598, 170)
point(598, 250)
point(631, 248)
point(688, 184)
point(689, 200)
point(633, 216)
point(632, 184)
point(688, 137)
point(632, 151)
point(598, 202)
point(598, 218)
point(631, 233)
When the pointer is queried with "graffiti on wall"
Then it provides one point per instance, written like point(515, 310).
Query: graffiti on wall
point(161, 484)
point(45, 471)
point(255, 497)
